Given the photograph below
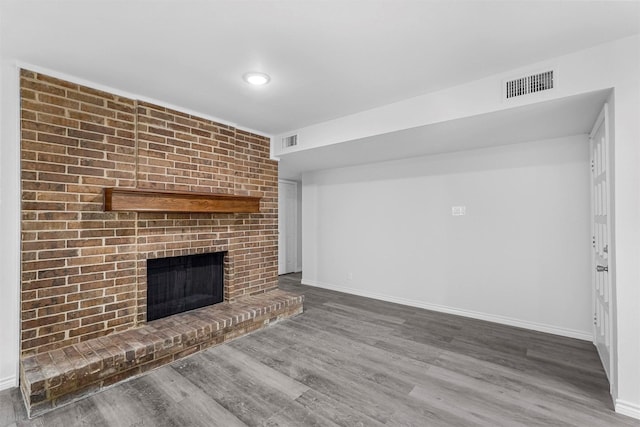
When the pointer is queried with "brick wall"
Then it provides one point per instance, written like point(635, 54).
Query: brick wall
point(84, 270)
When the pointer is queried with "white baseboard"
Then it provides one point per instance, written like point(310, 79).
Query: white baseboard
point(540, 327)
point(8, 382)
point(627, 408)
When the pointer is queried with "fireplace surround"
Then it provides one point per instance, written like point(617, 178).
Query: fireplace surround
point(84, 268)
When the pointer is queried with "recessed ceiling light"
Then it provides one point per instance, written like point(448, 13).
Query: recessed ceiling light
point(256, 79)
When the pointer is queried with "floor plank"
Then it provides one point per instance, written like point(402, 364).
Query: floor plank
point(190, 404)
point(353, 361)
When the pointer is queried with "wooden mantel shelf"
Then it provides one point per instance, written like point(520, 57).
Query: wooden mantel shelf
point(136, 200)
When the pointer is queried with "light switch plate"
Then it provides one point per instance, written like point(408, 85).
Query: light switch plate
point(458, 210)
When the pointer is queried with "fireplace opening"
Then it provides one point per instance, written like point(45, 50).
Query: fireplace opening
point(183, 283)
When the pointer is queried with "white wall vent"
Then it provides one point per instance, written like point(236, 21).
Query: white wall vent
point(529, 84)
point(290, 141)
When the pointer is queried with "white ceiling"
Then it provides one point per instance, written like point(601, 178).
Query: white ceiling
point(326, 58)
point(568, 116)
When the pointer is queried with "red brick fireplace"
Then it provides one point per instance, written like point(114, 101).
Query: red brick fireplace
point(84, 268)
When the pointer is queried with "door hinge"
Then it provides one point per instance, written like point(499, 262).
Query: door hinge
point(593, 241)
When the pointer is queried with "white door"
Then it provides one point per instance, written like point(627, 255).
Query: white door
point(600, 227)
point(287, 226)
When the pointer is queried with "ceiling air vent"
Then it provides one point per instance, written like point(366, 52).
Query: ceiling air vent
point(529, 84)
point(290, 141)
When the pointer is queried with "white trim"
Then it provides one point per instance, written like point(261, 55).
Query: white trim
point(540, 327)
point(627, 408)
point(9, 382)
point(288, 181)
point(78, 80)
point(598, 122)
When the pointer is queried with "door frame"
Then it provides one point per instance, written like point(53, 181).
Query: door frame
point(282, 249)
point(604, 120)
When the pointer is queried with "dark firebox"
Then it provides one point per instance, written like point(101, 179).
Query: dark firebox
point(183, 283)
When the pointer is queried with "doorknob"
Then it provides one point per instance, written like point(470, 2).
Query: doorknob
point(601, 268)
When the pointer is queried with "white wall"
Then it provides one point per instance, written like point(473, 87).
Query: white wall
point(9, 225)
point(625, 67)
point(611, 65)
point(521, 255)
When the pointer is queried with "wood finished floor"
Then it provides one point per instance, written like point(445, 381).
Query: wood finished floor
point(353, 361)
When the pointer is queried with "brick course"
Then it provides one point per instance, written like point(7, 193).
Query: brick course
point(83, 269)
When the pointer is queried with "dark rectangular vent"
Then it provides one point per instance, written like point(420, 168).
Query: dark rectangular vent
point(183, 283)
point(529, 84)
point(290, 141)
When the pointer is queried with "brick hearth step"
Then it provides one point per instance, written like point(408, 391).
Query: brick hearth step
point(55, 378)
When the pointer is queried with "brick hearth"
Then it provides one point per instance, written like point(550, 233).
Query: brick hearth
point(55, 378)
point(84, 269)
